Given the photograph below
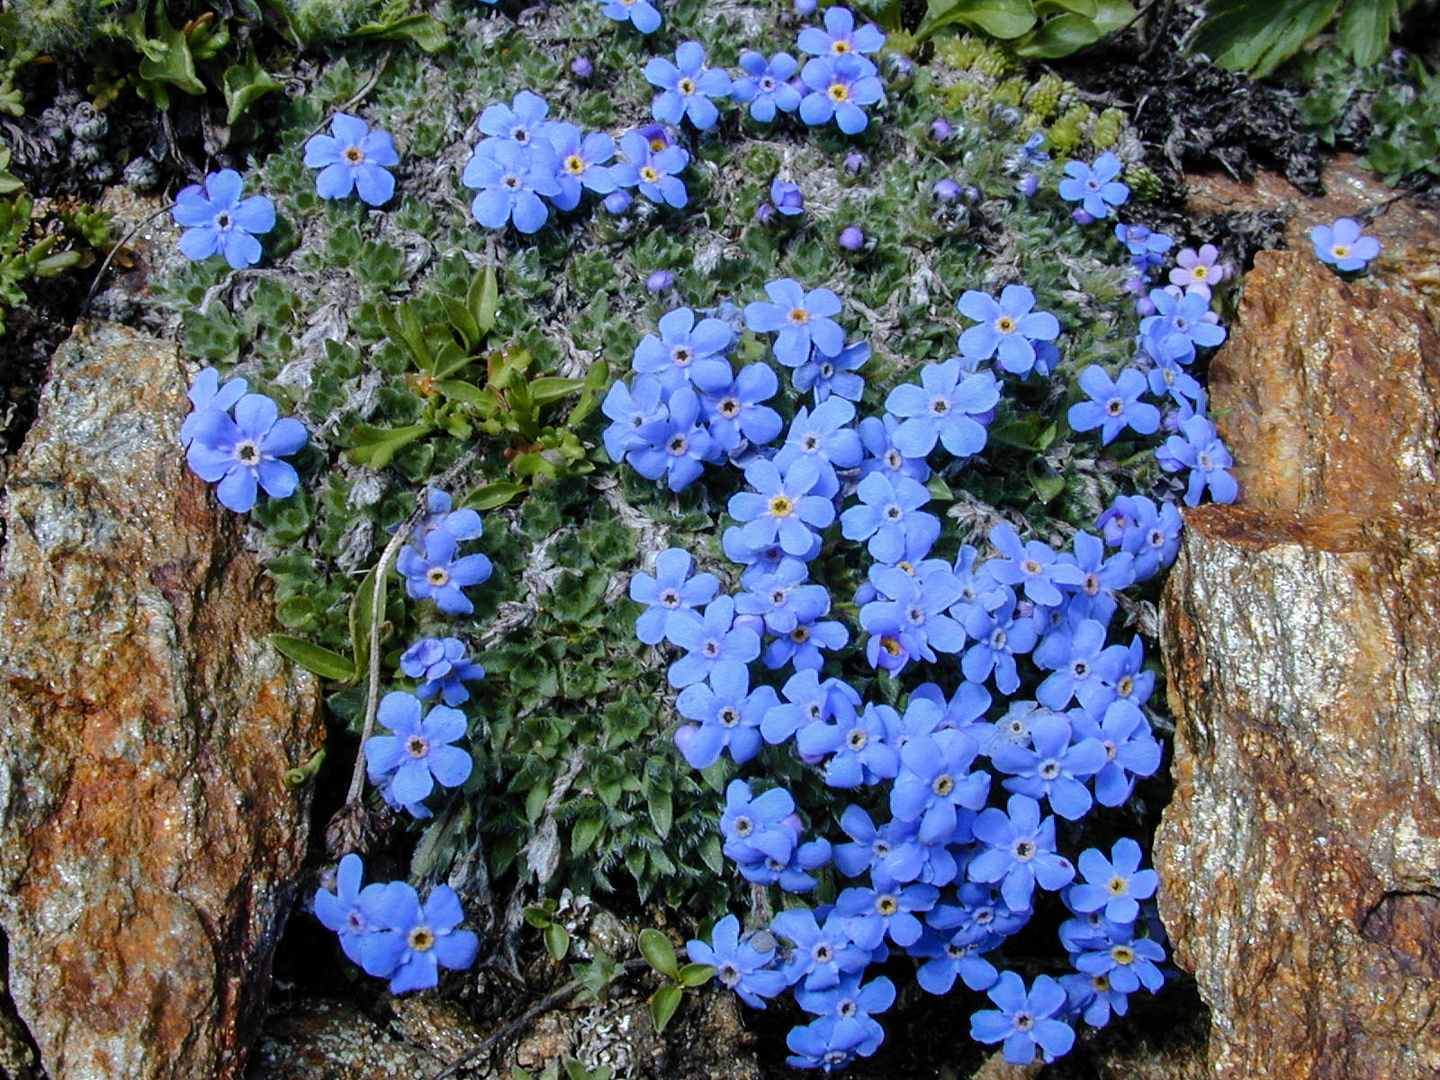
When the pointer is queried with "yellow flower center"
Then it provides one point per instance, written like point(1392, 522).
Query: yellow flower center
point(781, 506)
point(574, 164)
point(421, 939)
point(1341, 250)
point(1005, 324)
point(838, 92)
point(686, 86)
point(1199, 273)
point(649, 174)
point(799, 316)
point(437, 576)
point(354, 155)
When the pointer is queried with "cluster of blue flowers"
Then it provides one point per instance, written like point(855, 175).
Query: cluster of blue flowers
point(238, 439)
point(387, 931)
point(974, 776)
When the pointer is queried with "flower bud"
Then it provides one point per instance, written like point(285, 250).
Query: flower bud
point(945, 190)
point(582, 67)
point(852, 238)
point(618, 201)
point(660, 281)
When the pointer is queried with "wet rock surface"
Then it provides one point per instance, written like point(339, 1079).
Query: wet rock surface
point(148, 845)
point(1301, 853)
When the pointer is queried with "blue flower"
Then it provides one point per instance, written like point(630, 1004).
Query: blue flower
point(710, 641)
point(461, 524)
point(802, 645)
point(887, 910)
point(411, 943)
point(522, 121)
point(822, 955)
point(781, 506)
point(1199, 448)
point(1114, 404)
point(877, 435)
point(1007, 327)
point(1116, 884)
point(935, 782)
point(637, 417)
point(1152, 534)
point(839, 86)
point(206, 393)
point(582, 161)
point(243, 453)
point(781, 598)
point(827, 1044)
point(1118, 676)
point(786, 197)
point(998, 636)
point(1179, 325)
point(1020, 851)
point(1095, 597)
point(765, 86)
point(793, 876)
point(852, 1005)
point(442, 666)
point(669, 595)
point(732, 406)
point(353, 158)
point(801, 318)
point(807, 700)
point(1146, 248)
point(1130, 749)
point(341, 911)
point(1054, 768)
point(681, 344)
point(687, 86)
point(739, 965)
point(888, 513)
point(1342, 246)
point(859, 752)
point(1025, 1023)
point(217, 220)
point(822, 435)
point(1094, 187)
point(1033, 565)
point(758, 827)
point(729, 715)
point(417, 756)
point(826, 375)
point(947, 406)
point(1071, 652)
point(1127, 961)
point(840, 36)
point(642, 14)
point(653, 171)
point(432, 572)
point(676, 447)
point(511, 179)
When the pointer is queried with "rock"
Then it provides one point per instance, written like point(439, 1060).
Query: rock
point(336, 1041)
point(1300, 858)
point(148, 847)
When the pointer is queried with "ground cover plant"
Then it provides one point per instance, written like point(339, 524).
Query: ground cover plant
point(721, 457)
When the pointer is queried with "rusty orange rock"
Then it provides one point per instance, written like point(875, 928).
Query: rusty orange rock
point(148, 846)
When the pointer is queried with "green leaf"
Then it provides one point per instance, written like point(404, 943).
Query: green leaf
point(1365, 28)
point(484, 299)
point(423, 30)
point(658, 952)
point(167, 60)
point(245, 84)
point(664, 1004)
point(557, 941)
point(1086, 8)
point(375, 446)
point(296, 612)
point(661, 812)
point(492, 496)
point(1047, 486)
point(939, 490)
point(584, 834)
point(545, 390)
point(535, 801)
point(324, 662)
point(597, 380)
point(459, 390)
point(361, 609)
point(1002, 19)
point(695, 974)
point(1111, 15)
point(1243, 35)
point(1061, 36)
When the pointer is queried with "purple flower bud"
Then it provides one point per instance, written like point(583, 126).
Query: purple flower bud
point(786, 197)
point(683, 735)
point(660, 281)
point(1170, 421)
point(940, 129)
point(765, 212)
point(618, 201)
point(812, 759)
point(1145, 306)
point(805, 7)
point(581, 67)
point(1028, 184)
point(1082, 216)
point(852, 238)
point(945, 190)
point(793, 822)
point(1138, 286)
point(854, 162)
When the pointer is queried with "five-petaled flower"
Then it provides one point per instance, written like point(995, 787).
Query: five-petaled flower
point(218, 221)
point(244, 453)
point(353, 158)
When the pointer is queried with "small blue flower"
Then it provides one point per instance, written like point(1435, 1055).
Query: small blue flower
point(840, 36)
point(417, 756)
point(1007, 327)
point(935, 783)
point(888, 512)
point(1114, 404)
point(432, 572)
point(687, 86)
point(653, 171)
point(675, 447)
point(642, 14)
point(765, 86)
point(999, 636)
point(786, 197)
point(729, 715)
point(681, 344)
point(522, 121)
point(802, 319)
point(1130, 749)
point(948, 406)
point(1151, 533)
point(1129, 962)
point(1179, 326)
point(758, 827)
point(822, 955)
point(801, 646)
point(244, 454)
point(511, 179)
point(877, 434)
point(1033, 566)
point(1341, 245)
point(207, 393)
point(807, 700)
point(411, 943)
point(732, 403)
point(1146, 248)
point(823, 375)
point(856, 745)
point(670, 594)
point(1116, 884)
point(1019, 852)
point(217, 220)
point(1053, 768)
point(341, 911)
point(839, 87)
point(781, 506)
point(1200, 449)
point(353, 158)
point(442, 666)
point(852, 1005)
point(638, 416)
point(583, 163)
point(1094, 187)
point(1026, 1023)
point(710, 641)
point(739, 965)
